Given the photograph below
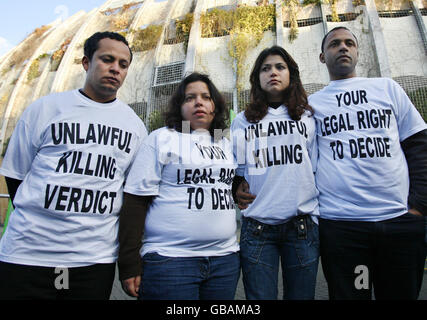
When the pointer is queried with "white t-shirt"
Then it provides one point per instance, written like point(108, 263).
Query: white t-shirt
point(73, 155)
point(276, 157)
point(190, 176)
point(362, 172)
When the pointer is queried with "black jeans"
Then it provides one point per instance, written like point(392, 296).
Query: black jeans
point(20, 282)
point(387, 256)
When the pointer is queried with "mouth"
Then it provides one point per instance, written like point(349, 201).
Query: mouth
point(344, 57)
point(272, 82)
point(112, 80)
point(199, 113)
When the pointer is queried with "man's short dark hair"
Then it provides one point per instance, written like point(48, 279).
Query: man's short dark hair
point(334, 29)
point(91, 44)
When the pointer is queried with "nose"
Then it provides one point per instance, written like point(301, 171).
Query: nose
point(343, 46)
point(273, 72)
point(114, 68)
point(198, 101)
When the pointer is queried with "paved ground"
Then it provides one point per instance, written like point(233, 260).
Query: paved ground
point(321, 288)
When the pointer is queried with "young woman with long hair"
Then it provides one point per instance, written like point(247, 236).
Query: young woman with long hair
point(275, 146)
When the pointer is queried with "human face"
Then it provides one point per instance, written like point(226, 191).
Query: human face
point(107, 70)
point(198, 107)
point(340, 54)
point(274, 77)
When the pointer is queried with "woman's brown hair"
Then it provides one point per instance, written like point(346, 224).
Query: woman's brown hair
point(294, 97)
point(173, 116)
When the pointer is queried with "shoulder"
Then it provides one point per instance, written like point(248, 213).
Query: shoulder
point(126, 108)
point(239, 120)
point(131, 115)
point(376, 82)
point(45, 106)
point(318, 94)
point(161, 136)
point(382, 86)
point(307, 115)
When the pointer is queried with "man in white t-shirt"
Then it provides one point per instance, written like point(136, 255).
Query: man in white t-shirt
point(371, 176)
point(65, 168)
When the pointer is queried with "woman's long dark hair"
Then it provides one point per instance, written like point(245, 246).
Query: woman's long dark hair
point(294, 97)
point(173, 116)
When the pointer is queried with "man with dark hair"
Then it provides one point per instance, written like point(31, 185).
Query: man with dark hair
point(65, 168)
point(92, 43)
point(372, 178)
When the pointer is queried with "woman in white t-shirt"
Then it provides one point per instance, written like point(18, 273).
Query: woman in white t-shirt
point(275, 146)
point(179, 191)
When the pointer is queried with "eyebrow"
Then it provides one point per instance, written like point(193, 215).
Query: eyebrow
point(270, 64)
point(345, 40)
point(195, 94)
point(109, 55)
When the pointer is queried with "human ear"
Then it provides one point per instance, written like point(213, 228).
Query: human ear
point(322, 58)
point(85, 63)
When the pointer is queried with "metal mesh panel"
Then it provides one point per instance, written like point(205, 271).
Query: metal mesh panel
point(140, 109)
point(304, 22)
point(228, 97)
point(416, 88)
point(160, 96)
point(168, 73)
point(350, 16)
point(166, 79)
point(395, 13)
point(311, 88)
point(243, 99)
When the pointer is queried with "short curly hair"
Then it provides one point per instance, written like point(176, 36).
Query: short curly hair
point(173, 116)
point(91, 43)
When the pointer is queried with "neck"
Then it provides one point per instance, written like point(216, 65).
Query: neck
point(89, 95)
point(274, 104)
point(342, 77)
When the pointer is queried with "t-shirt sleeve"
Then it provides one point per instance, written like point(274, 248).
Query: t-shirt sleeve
point(409, 120)
point(146, 171)
point(142, 136)
point(22, 148)
point(312, 147)
point(238, 144)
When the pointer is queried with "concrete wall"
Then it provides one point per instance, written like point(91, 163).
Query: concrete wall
point(388, 47)
point(404, 47)
point(394, 40)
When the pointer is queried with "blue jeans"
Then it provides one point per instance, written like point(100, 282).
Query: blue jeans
point(261, 247)
point(189, 278)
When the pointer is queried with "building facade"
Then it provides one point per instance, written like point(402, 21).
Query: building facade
point(221, 38)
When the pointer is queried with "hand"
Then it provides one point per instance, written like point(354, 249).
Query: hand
point(244, 197)
point(415, 212)
point(131, 286)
